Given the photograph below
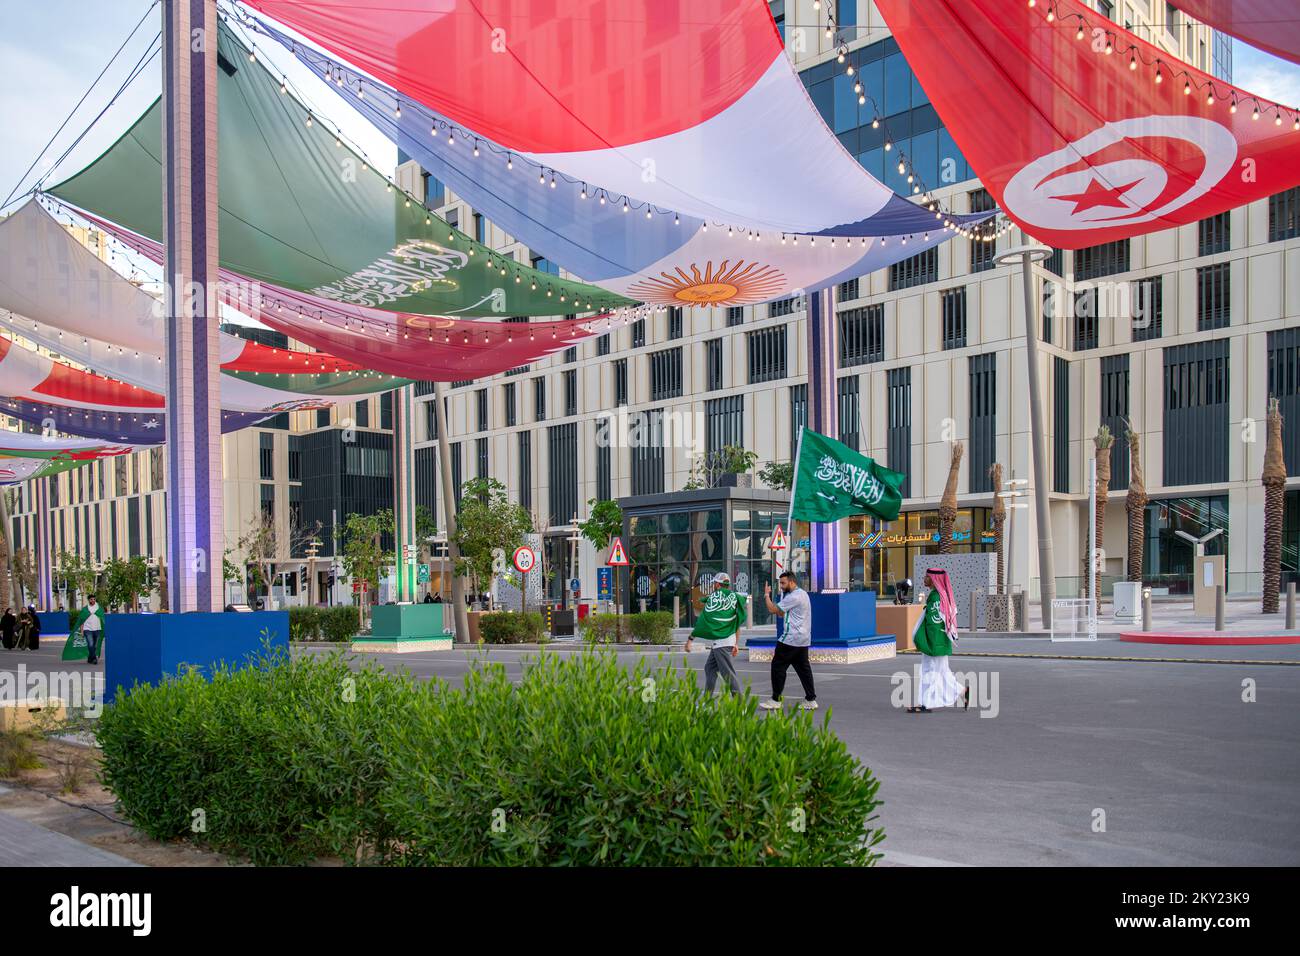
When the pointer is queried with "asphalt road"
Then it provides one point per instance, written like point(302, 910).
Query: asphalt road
point(1166, 756)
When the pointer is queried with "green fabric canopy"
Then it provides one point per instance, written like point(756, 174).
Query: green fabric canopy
point(300, 210)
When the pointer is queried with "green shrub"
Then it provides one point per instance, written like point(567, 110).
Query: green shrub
point(653, 627)
point(584, 762)
point(588, 762)
point(304, 624)
point(280, 763)
point(605, 628)
point(510, 627)
point(341, 622)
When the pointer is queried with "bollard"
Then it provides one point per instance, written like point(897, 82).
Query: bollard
point(1022, 611)
point(1146, 609)
point(749, 613)
point(1218, 607)
point(677, 610)
point(1290, 605)
point(643, 605)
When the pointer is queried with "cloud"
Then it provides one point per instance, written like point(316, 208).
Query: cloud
point(1267, 76)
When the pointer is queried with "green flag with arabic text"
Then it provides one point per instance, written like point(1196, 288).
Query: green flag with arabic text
point(833, 481)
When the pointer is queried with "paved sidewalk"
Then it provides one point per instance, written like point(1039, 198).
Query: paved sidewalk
point(26, 844)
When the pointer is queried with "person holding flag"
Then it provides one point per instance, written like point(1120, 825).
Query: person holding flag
point(718, 628)
point(934, 636)
point(90, 624)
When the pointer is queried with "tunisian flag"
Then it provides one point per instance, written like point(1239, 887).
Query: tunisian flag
point(1080, 146)
point(1272, 25)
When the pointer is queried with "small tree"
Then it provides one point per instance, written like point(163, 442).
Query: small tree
point(123, 581)
point(709, 468)
point(777, 475)
point(79, 574)
point(487, 522)
point(361, 554)
point(604, 522)
point(24, 570)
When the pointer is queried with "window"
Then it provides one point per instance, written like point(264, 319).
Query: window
point(481, 400)
point(1213, 296)
point(648, 455)
point(899, 439)
point(1060, 425)
point(918, 270)
point(1085, 319)
point(953, 303)
point(776, 309)
point(638, 334)
point(526, 470)
point(457, 471)
point(1284, 215)
point(665, 374)
point(295, 459)
point(1055, 263)
point(850, 420)
point(983, 421)
point(766, 354)
point(1196, 413)
point(571, 391)
point(798, 415)
point(481, 456)
point(735, 315)
point(1147, 307)
point(431, 420)
point(542, 264)
point(862, 335)
point(539, 399)
point(602, 344)
point(480, 229)
point(981, 253)
point(453, 218)
point(570, 354)
point(268, 502)
point(674, 322)
point(713, 363)
point(724, 422)
point(1214, 234)
point(508, 394)
point(1114, 415)
point(604, 481)
point(266, 456)
point(847, 290)
point(361, 414)
point(1052, 293)
point(620, 382)
point(1284, 385)
point(386, 410)
point(562, 463)
point(1103, 260)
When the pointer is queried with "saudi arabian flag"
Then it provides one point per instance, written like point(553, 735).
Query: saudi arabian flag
point(833, 481)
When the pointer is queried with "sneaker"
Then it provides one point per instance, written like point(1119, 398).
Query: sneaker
point(770, 704)
point(808, 705)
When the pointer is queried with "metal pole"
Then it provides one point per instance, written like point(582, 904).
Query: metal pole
point(1146, 609)
point(1290, 605)
point(459, 613)
point(1046, 563)
point(1218, 607)
point(1093, 598)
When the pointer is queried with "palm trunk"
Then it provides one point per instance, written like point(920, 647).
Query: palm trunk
point(1136, 506)
point(1102, 443)
point(999, 520)
point(1274, 480)
point(948, 503)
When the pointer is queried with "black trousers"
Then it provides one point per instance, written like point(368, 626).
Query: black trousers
point(782, 657)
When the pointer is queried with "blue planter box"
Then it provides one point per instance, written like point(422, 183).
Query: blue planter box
point(838, 618)
point(145, 648)
point(52, 622)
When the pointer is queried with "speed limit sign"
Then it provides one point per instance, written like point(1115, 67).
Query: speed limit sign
point(524, 559)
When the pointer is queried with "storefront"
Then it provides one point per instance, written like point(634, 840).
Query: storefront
point(881, 553)
point(1168, 560)
point(677, 543)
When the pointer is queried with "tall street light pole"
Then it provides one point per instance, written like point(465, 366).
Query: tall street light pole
point(459, 611)
point(1026, 256)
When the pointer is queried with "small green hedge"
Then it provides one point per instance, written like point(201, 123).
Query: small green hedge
point(650, 627)
point(511, 627)
point(584, 762)
point(336, 624)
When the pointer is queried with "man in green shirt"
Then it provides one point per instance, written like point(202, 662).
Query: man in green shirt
point(717, 630)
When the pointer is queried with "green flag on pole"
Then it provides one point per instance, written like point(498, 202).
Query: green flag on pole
point(832, 481)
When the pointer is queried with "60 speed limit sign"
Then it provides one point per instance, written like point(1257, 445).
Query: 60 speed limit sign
point(524, 559)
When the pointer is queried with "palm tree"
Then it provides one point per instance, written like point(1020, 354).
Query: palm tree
point(1102, 443)
point(999, 519)
point(1135, 505)
point(948, 503)
point(1274, 481)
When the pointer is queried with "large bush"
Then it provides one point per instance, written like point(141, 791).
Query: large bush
point(510, 627)
point(583, 762)
point(650, 627)
point(339, 623)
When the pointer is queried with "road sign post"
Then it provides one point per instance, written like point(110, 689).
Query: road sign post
point(617, 559)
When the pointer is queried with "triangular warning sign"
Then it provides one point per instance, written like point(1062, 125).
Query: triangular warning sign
point(778, 540)
point(616, 554)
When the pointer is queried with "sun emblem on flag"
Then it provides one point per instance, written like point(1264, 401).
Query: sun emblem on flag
point(725, 284)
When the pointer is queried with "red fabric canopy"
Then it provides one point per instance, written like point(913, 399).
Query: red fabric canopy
point(1080, 146)
point(1272, 25)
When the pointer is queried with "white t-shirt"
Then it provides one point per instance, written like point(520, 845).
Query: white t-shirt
point(798, 618)
point(92, 620)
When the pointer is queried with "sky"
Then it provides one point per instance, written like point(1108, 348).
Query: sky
point(51, 51)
